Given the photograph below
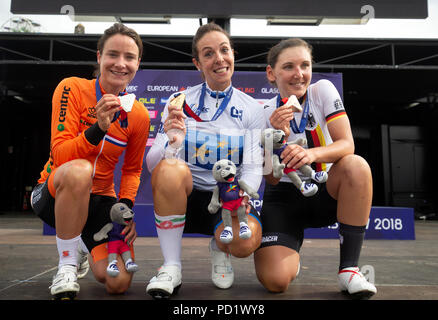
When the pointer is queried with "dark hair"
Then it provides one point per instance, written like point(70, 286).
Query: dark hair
point(275, 51)
point(119, 28)
point(203, 30)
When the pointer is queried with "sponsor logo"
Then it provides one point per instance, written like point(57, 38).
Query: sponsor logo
point(150, 142)
point(147, 101)
point(92, 112)
point(338, 104)
point(60, 127)
point(84, 122)
point(269, 90)
point(235, 113)
point(269, 239)
point(246, 90)
point(131, 89)
point(65, 253)
point(64, 104)
point(162, 88)
point(153, 114)
point(49, 167)
point(256, 203)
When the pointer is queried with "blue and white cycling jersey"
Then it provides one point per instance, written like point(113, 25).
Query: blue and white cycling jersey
point(232, 134)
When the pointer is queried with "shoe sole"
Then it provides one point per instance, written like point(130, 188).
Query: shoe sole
point(160, 294)
point(223, 287)
point(362, 295)
point(67, 295)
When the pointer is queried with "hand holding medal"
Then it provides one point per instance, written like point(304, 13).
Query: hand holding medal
point(293, 103)
point(106, 108)
point(174, 125)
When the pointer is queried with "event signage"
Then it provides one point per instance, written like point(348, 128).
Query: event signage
point(153, 87)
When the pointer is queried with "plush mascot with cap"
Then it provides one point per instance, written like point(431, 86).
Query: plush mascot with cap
point(226, 195)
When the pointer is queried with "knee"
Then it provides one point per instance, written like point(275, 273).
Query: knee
point(100, 276)
point(170, 176)
point(275, 283)
point(355, 169)
point(119, 284)
point(113, 285)
point(242, 248)
point(77, 177)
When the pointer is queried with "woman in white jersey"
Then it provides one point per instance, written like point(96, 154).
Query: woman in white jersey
point(346, 196)
point(217, 121)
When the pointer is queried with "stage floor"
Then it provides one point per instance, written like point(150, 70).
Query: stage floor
point(404, 269)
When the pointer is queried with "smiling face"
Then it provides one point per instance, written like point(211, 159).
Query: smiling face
point(118, 61)
point(292, 72)
point(215, 60)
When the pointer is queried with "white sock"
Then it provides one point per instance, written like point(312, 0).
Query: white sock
point(82, 246)
point(170, 230)
point(68, 250)
point(214, 245)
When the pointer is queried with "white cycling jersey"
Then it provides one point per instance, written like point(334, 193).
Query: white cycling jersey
point(325, 105)
point(233, 134)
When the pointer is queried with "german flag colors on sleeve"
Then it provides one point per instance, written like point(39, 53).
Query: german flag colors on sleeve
point(335, 115)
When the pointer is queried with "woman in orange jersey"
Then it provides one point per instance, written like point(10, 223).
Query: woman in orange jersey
point(345, 197)
point(89, 131)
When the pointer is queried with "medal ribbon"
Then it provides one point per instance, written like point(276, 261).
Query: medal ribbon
point(227, 97)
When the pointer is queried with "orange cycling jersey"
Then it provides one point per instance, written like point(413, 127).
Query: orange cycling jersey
point(73, 117)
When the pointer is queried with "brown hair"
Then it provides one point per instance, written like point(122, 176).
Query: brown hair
point(275, 51)
point(119, 28)
point(203, 30)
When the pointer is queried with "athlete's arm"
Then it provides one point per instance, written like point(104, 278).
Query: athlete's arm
point(329, 101)
point(133, 161)
point(252, 167)
point(296, 156)
point(68, 142)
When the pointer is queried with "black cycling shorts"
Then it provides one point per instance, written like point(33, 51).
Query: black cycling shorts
point(199, 219)
point(286, 213)
point(99, 208)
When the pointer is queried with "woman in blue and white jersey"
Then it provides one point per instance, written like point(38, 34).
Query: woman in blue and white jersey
point(216, 122)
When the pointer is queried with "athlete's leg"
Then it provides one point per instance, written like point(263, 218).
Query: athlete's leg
point(350, 183)
point(113, 285)
point(276, 267)
point(241, 248)
point(171, 185)
point(70, 186)
point(72, 183)
point(171, 182)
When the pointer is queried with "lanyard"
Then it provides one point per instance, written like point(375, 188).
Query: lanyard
point(188, 111)
point(122, 113)
point(303, 121)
